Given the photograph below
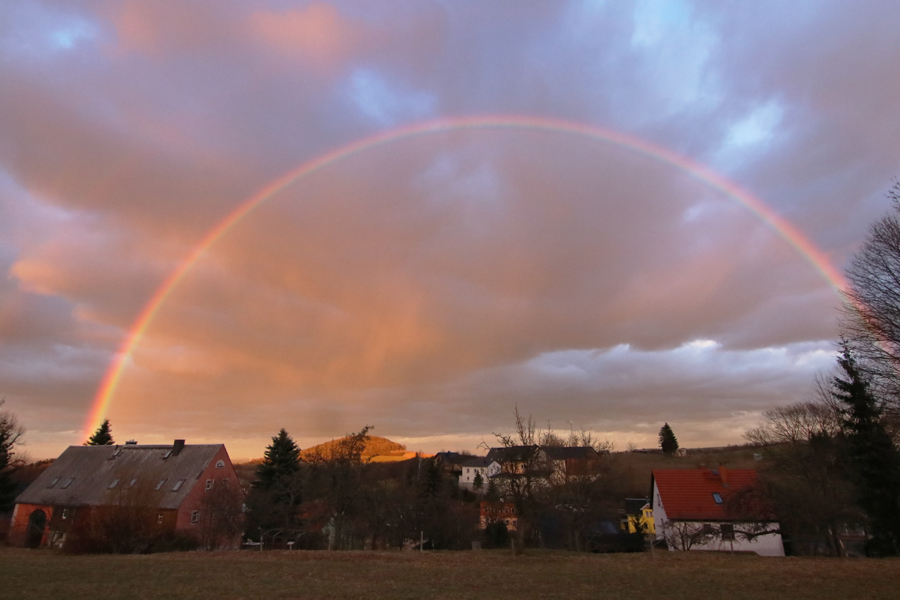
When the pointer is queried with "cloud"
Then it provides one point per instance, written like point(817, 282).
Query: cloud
point(430, 284)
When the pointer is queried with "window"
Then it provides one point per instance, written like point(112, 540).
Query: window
point(52, 483)
point(159, 485)
point(114, 483)
point(67, 483)
point(159, 519)
point(65, 514)
point(717, 497)
point(209, 484)
point(195, 516)
point(727, 531)
point(133, 481)
point(178, 485)
point(220, 464)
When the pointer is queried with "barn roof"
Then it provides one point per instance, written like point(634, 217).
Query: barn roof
point(570, 452)
point(102, 475)
point(703, 494)
point(512, 453)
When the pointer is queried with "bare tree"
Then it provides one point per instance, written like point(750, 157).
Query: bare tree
point(684, 535)
point(871, 321)
point(805, 480)
point(221, 516)
point(335, 477)
point(522, 473)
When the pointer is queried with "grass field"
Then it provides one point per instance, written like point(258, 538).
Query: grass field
point(27, 574)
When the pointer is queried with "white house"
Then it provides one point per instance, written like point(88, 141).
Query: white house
point(474, 467)
point(691, 510)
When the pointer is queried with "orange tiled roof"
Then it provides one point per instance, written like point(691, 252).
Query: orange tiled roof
point(687, 494)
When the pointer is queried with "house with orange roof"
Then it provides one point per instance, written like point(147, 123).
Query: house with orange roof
point(713, 509)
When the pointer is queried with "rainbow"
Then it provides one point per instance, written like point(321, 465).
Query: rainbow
point(503, 122)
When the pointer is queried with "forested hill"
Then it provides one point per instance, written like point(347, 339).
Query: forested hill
point(375, 446)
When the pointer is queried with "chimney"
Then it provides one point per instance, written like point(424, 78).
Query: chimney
point(723, 475)
point(131, 443)
point(177, 447)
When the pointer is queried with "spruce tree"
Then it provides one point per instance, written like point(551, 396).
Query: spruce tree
point(10, 434)
point(281, 460)
point(875, 459)
point(101, 437)
point(667, 440)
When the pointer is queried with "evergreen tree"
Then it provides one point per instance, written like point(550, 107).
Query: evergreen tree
point(875, 459)
point(10, 432)
point(281, 460)
point(667, 440)
point(276, 492)
point(478, 483)
point(101, 437)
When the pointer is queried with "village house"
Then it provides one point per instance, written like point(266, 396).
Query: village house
point(477, 470)
point(638, 517)
point(569, 463)
point(171, 481)
point(702, 509)
point(498, 512)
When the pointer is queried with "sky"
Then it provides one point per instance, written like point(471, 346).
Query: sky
point(603, 224)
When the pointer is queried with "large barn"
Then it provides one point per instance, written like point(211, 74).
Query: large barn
point(173, 482)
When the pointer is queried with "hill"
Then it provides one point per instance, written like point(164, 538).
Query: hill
point(378, 449)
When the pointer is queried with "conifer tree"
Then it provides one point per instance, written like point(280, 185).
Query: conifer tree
point(101, 437)
point(875, 459)
point(10, 434)
point(281, 460)
point(667, 440)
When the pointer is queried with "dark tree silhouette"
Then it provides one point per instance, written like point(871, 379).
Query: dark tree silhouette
point(871, 321)
point(276, 492)
point(667, 440)
point(875, 459)
point(10, 433)
point(101, 437)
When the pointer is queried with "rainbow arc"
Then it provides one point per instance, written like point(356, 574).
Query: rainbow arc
point(781, 226)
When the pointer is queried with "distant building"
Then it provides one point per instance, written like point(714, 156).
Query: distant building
point(474, 467)
point(638, 516)
point(170, 480)
point(498, 512)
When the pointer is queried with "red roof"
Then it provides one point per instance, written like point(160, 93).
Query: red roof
point(687, 494)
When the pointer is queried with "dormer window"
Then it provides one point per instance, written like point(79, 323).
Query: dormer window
point(717, 497)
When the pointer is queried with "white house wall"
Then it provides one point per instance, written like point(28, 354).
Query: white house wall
point(764, 545)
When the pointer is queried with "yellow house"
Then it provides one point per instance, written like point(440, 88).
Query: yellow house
point(638, 524)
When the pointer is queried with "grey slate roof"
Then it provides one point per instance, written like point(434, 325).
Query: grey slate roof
point(512, 454)
point(570, 452)
point(92, 469)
